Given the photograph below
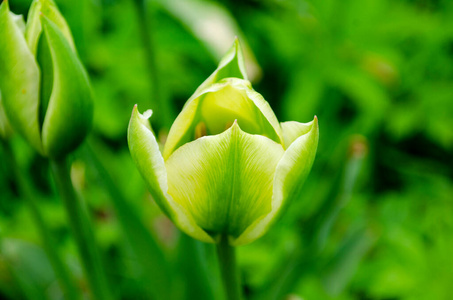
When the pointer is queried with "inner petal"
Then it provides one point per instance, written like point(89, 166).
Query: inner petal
point(223, 107)
point(216, 108)
point(219, 109)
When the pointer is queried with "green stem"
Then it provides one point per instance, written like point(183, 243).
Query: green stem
point(160, 105)
point(82, 230)
point(152, 260)
point(66, 282)
point(228, 269)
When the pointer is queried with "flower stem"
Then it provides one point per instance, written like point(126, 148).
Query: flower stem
point(228, 269)
point(82, 230)
point(66, 282)
point(154, 265)
point(146, 27)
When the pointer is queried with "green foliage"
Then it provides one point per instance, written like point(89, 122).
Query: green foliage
point(374, 218)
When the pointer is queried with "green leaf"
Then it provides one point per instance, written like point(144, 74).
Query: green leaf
point(30, 267)
point(224, 181)
point(200, 17)
point(194, 265)
point(153, 265)
point(344, 264)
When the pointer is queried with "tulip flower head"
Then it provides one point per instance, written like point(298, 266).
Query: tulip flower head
point(45, 89)
point(228, 166)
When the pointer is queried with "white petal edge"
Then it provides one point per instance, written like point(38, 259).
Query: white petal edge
point(290, 174)
point(268, 113)
point(145, 152)
point(292, 130)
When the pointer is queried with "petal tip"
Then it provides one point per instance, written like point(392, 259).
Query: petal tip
point(6, 3)
point(147, 114)
point(134, 110)
point(236, 43)
point(235, 126)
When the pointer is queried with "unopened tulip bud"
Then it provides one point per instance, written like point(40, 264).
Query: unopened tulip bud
point(45, 89)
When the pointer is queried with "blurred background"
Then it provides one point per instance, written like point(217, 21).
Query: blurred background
point(376, 219)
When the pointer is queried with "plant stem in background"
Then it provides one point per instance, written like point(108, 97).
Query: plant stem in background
point(146, 34)
point(303, 260)
point(193, 261)
point(228, 269)
point(66, 282)
point(154, 265)
point(82, 230)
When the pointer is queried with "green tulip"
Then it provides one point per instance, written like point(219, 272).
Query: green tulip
point(228, 166)
point(45, 89)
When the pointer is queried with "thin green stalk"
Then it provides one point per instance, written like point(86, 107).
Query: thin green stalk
point(304, 260)
point(82, 230)
point(66, 282)
point(153, 263)
point(193, 263)
point(228, 269)
point(145, 26)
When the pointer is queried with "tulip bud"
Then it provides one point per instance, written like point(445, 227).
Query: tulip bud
point(45, 89)
point(228, 166)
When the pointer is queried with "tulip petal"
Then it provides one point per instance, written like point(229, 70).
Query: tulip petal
point(146, 155)
point(218, 106)
point(292, 130)
point(19, 79)
point(290, 175)
point(70, 111)
point(19, 20)
point(231, 65)
point(34, 27)
point(225, 181)
point(40, 48)
point(268, 113)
